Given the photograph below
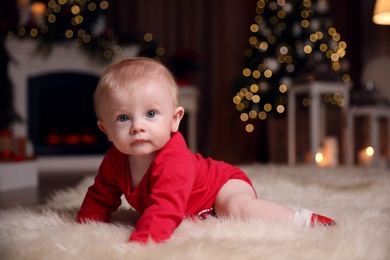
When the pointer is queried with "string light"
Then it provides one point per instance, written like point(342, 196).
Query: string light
point(60, 20)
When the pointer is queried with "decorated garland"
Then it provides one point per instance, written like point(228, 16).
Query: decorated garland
point(82, 22)
point(79, 22)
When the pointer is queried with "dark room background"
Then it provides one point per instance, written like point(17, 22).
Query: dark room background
point(217, 32)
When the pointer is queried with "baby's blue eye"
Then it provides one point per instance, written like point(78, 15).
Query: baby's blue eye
point(123, 118)
point(150, 114)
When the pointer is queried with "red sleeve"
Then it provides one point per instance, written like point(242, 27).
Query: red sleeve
point(171, 184)
point(104, 196)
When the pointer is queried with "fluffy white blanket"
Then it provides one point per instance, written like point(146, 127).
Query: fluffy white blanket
point(358, 198)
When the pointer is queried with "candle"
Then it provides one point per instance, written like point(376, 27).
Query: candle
point(38, 12)
point(365, 156)
point(328, 154)
point(331, 151)
point(320, 160)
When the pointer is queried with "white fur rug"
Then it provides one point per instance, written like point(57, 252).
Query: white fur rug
point(358, 198)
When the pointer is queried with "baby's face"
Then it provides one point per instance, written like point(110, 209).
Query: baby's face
point(140, 121)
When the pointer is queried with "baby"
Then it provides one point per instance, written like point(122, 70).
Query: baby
point(136, 102)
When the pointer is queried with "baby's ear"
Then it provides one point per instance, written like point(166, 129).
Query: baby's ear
point(103, 128)
point(177, 116)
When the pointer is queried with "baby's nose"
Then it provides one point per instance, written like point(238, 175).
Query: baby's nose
point(137, 127)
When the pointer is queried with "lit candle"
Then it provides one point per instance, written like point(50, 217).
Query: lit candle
point(320, 159)
point(365, 156)
point(38, 11)
point(328, 154)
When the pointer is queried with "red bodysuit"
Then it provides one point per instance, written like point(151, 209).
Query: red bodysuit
point(178, 183)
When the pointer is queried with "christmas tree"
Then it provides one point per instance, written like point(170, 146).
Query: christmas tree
point(290, 41)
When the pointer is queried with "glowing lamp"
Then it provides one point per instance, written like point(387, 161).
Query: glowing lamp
point(382, 12)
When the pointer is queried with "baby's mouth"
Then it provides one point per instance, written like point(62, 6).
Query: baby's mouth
point(138, 141)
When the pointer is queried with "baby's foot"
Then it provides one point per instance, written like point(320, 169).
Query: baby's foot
point(305, 217)
point(321, 220)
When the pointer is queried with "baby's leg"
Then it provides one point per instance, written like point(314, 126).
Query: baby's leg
point(237, 199)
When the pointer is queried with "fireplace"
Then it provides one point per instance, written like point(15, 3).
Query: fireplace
point(61, 115)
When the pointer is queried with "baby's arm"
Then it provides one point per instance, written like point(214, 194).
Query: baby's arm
point(98, 203)
point(102, 198)
point(170, 189)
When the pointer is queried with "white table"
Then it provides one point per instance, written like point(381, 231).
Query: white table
point(189, 100)
point(374, 113)
point(315, 90)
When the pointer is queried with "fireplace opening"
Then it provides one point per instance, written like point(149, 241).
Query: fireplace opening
point(61, 118)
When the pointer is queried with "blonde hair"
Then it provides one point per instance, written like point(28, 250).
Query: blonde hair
point(126, 73)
